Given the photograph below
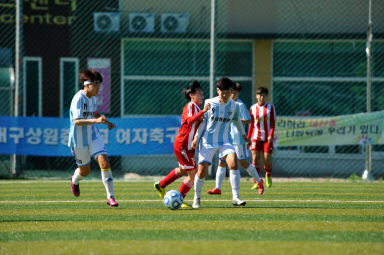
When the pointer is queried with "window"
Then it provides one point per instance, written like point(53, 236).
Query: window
point(315, 98)
point(32, 86)
point(315, 149)
point(157, 70)
point(330, 73)
point(378, 147)
point(6, 90)
point(348, 149)
point(325, 58)
point(326, 78)
point(68, 83)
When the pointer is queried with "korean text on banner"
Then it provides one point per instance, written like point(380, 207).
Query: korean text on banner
point(362, 128)
point(43, 136)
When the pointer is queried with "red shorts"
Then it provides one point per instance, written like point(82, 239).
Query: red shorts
point(262, 146)
point(186, 158)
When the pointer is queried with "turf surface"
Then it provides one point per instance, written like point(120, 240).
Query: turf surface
point(43, 217)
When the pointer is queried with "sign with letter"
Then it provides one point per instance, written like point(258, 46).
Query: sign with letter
point(44, 136)
point(362, 128)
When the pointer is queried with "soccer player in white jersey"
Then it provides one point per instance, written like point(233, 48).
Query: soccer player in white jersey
point(240, 148)
point(261, 132)
point(214, 135)
point(84, 137)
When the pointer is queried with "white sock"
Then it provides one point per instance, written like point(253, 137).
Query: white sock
point(234, 176)
point(252, 172)
point(77, 177)
point(198, 186)
point(106, 177)
point(220, 175)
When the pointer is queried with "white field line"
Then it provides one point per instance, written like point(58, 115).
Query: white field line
point(155, 178)
point(159, 200)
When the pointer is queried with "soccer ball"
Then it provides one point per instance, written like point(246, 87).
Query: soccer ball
point(173, 199)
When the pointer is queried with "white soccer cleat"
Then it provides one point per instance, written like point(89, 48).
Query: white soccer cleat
point(238, 202)
point(196, 203)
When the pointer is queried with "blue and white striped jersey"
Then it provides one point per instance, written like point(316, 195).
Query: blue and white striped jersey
point(237, 138)
point(214, 131)
point(82, 107)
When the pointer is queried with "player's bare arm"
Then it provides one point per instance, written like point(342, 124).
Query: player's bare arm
point(247, 141)
point(194, 142)
point(101, 119)
point(207, 107)
point(107, 122)
point(84, 122)
point(110, 125)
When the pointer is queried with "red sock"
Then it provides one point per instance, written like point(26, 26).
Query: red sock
point(171, 177)
point(268, 172)
point(185, 187)
point(258, 171)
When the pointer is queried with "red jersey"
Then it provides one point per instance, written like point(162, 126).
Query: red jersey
point(262, 122)
point(189, 125)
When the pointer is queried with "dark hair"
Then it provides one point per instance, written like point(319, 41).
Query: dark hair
point(262, 90)
point(224, 83)
point(237, 86)
point(191, 89)
point(90, 75)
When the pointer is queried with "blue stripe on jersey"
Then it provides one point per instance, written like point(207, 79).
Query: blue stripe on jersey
point(221, 133)
point(79, 105)
point(94, 132)
point(84, 135)
point(244, 112)
point(236, 136)
point(224, 126)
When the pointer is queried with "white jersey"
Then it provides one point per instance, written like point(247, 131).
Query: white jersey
point(215, 128)
point(236, 136)
point(82, 107)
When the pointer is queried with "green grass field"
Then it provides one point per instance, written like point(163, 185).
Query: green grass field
point(310, 217)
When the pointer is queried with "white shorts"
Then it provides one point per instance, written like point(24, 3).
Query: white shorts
point(206, 154)
point(241, 152)
point(83, 155)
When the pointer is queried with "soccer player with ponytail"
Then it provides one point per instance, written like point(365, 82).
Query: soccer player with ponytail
point(190, 120)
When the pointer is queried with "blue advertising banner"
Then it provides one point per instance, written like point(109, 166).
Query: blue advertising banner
point(44, 136)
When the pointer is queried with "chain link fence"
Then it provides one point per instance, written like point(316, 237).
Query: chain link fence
point(310, 54)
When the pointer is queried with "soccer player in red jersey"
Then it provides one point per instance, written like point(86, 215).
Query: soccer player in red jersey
point(190, 120)
point(261, 132)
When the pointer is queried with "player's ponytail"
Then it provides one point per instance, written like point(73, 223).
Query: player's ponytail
point(191, 89)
